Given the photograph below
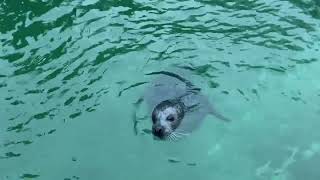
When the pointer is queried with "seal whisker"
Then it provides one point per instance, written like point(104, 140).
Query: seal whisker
point(170, 137)
point(174, 136)
point(177, 137)
point(180, 136)
point(180, 130)
point(182, 133)
point(173, 139)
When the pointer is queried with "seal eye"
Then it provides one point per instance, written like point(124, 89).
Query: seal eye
point(170, 118)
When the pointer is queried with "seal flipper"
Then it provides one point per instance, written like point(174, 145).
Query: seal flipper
point(134, 115)
point(219, 115)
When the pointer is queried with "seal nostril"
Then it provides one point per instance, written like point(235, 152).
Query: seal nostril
point(158, 131)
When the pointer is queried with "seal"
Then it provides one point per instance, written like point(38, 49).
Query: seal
point(179, 107)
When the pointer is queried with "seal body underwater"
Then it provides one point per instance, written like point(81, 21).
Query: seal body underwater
point(177, 107)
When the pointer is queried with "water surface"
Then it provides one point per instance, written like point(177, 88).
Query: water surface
point(63, 64)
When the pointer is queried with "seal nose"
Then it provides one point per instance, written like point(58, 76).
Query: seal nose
point(158, 131)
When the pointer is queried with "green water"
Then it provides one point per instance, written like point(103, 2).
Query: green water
point(63, 64)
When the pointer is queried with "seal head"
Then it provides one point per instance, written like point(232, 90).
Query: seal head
point(166, 118)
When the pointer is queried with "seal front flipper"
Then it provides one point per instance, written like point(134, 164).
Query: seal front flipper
point(135, 118)
point(218, 115)
point(192, 108)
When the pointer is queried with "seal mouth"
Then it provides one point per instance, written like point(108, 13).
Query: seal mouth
point(159, 132)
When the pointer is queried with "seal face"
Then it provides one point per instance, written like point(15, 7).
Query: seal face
point(166, 117)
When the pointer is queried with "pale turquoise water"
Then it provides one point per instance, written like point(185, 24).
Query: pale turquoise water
point(63, 64)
